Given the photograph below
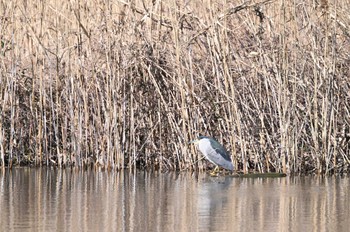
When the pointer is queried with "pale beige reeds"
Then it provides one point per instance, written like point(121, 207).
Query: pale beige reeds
point(127, 84)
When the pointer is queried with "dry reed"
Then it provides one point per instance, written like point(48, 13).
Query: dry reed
point(125, 84)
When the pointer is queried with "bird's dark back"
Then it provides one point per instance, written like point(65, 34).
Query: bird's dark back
point(217, 146)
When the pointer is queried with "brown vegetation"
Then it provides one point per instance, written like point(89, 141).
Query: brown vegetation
point(128, 83)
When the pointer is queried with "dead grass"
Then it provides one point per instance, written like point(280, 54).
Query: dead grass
point(118, 84)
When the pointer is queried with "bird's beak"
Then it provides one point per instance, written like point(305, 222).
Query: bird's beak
point(196, 141)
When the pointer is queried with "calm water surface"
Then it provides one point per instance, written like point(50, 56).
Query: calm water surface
point(71, 200)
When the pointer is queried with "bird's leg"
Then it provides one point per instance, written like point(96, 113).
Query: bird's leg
point(215, 171)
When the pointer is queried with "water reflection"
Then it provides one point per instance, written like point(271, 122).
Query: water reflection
point(71, 200)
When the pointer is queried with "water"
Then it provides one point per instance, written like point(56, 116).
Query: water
point(71, 200)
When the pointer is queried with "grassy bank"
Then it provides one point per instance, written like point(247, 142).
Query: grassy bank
point(128, 83)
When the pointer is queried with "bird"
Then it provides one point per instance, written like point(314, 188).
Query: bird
point(214, 152)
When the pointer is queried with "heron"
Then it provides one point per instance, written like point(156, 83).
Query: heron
point(214, 152)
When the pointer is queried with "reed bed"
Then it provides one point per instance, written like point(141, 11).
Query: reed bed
point(126, 84)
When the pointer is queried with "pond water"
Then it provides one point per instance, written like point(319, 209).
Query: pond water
point(74, 200)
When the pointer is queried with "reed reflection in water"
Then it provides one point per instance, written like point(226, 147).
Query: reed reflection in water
point(71, 200)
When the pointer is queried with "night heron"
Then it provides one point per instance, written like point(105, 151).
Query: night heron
point(214, 152)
